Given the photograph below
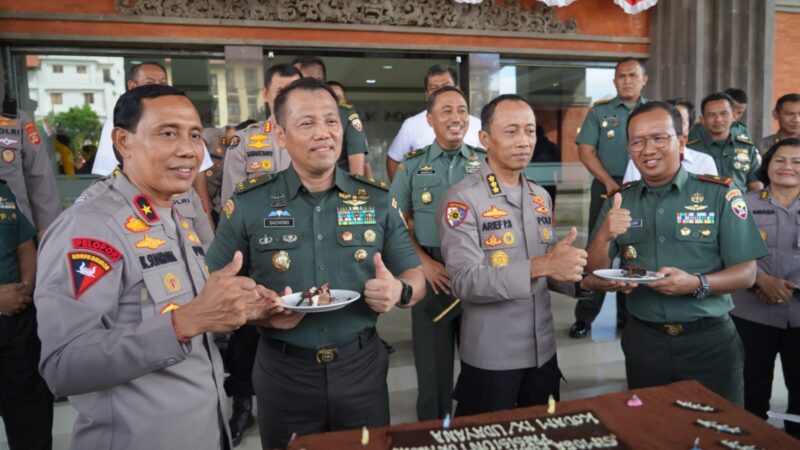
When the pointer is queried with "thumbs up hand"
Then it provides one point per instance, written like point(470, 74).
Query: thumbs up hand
point(223, 305)
point(564, 262)
point(618, 220)
point(382, 292)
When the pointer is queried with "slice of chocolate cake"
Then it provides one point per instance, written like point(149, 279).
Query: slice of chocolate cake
point(632, 271)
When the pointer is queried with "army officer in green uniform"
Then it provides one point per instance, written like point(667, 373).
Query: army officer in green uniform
point(695, 231)
point(419, 184)
point(735, 154)
point(306, 226)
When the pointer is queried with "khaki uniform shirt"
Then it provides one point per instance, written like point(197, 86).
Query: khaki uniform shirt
point(736, 158)
point(605, 129)
point(26, 167)
point(422, 179)
point(290, 237)
point(251, 152)
point(217, 144)
point(695, 223)
point(489, 234)
point(779, 228)
point(111, 270)
point(769, 141)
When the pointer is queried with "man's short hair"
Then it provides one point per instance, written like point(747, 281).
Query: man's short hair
point(443, 90)
point(303, 84)
point(677, 120)
point(624, 60)
point(738, 95)
point(689, 108)
point(487, 112)
point(281, 70)
point(129, 107)
point(439, 69)
point(135, 69)
point(308, 61)
point(788, 98)
point(714, 97)
point(763, 170)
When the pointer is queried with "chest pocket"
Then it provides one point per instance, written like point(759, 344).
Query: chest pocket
point(768, 228)
point(356, 246)
point(166, 288)
point(260, 161)
point(499, 234)
point(10, 159)
point(697, 233)
point(632, 245)
point(425, 192)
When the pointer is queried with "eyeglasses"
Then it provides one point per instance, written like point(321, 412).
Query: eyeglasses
point(658, 141)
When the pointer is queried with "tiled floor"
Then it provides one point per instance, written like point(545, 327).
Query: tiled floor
point(591, 366)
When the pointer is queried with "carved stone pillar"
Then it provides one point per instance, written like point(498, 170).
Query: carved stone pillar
point(705, 46)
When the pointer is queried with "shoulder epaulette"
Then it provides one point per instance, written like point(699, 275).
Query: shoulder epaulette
point(725, 181)
point(414, 153)
point(621, 188)
point(743, 138)
point(345, 105)
point(602, 102)
point(371, 181)
point(477, 149)
point(695, 141)
point(245, 186)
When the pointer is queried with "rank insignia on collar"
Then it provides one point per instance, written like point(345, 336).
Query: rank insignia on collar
point(185, 224)
point(456, 213)
point(494, 185)
point(169, 308)
point(192, 236)
point(228, 208)
point(697, 197)
point(542, 210)
point(150, 243)
point(87, 269)
point(394, 203)
point(494, 213)
point(171, 282)
point(493, 240)
point(764, 194)
point(145, 208)
point(136, 225)
point(537, 199)
point(267, 126)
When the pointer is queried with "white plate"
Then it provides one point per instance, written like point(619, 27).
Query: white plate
point(620, 275)
point(339, 299)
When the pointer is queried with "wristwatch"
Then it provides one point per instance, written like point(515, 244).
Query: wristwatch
point(405, 295)
point(704, 289)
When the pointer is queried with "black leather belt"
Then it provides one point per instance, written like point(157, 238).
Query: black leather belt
point(323, 355)
point(680, 328)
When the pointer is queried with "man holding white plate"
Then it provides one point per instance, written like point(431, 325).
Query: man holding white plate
point(304, 227)
point(693, 236)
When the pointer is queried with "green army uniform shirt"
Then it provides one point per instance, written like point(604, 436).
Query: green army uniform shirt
point(422, 179)
point(355, 139)
point(290, 237)
point(737, 157)
point(605, 129)
point(695, 223)
point(14, 230)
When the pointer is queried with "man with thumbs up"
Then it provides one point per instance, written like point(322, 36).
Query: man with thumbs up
point(310, 225)
point(500, 250)
point(124, 301)
point(695, 233)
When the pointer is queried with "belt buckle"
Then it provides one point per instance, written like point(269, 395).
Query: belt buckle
point(673, 329)
point(327, 355)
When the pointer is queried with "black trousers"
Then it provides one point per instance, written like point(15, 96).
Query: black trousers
point(301, 396)
point(587, 310)
point(480, 390)
point(240, 356)
point(25, 400)
point(762, 344)
point(714, 356)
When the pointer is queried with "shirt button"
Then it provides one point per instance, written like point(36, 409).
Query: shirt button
point(319, 237)
point(661, 239)
point(322, 267)
point(661, 210)
point(318, 209)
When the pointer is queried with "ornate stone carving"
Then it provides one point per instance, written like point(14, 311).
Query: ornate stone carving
point(509, 15)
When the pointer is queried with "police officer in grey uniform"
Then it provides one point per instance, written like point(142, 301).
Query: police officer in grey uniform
point(254, 151)
point(787, 113)
point(500, 251)
point(768, 317)
point(25, 166)
point(125, 303)
point(217, 143)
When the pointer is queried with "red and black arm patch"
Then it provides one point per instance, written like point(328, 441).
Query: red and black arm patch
point(91, 262)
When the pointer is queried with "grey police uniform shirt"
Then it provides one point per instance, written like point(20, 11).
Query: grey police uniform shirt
point(26, 167)
point(251, 152)
point(188, 204)
point(779, 228)
point(488, 238)
point(110, 272)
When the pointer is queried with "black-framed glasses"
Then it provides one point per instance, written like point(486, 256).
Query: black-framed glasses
point(658, 141)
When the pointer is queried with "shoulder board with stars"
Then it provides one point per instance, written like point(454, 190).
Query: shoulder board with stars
point(743, 138)
point(725, 181)
point(345, 106)
point(622, 187)
point(494, 185)
point(245, 186)
point(416, 152)
point(764, 194)
point(371, 181)
point(602, 102)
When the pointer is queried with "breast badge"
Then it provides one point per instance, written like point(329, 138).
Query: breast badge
point(136, 225)
point(281, 261)
point(629, 252)
point(171, 282)
point(499, 259)
point(360, 255)
point(426, 198)
point(494, 213)
point(150, 243)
